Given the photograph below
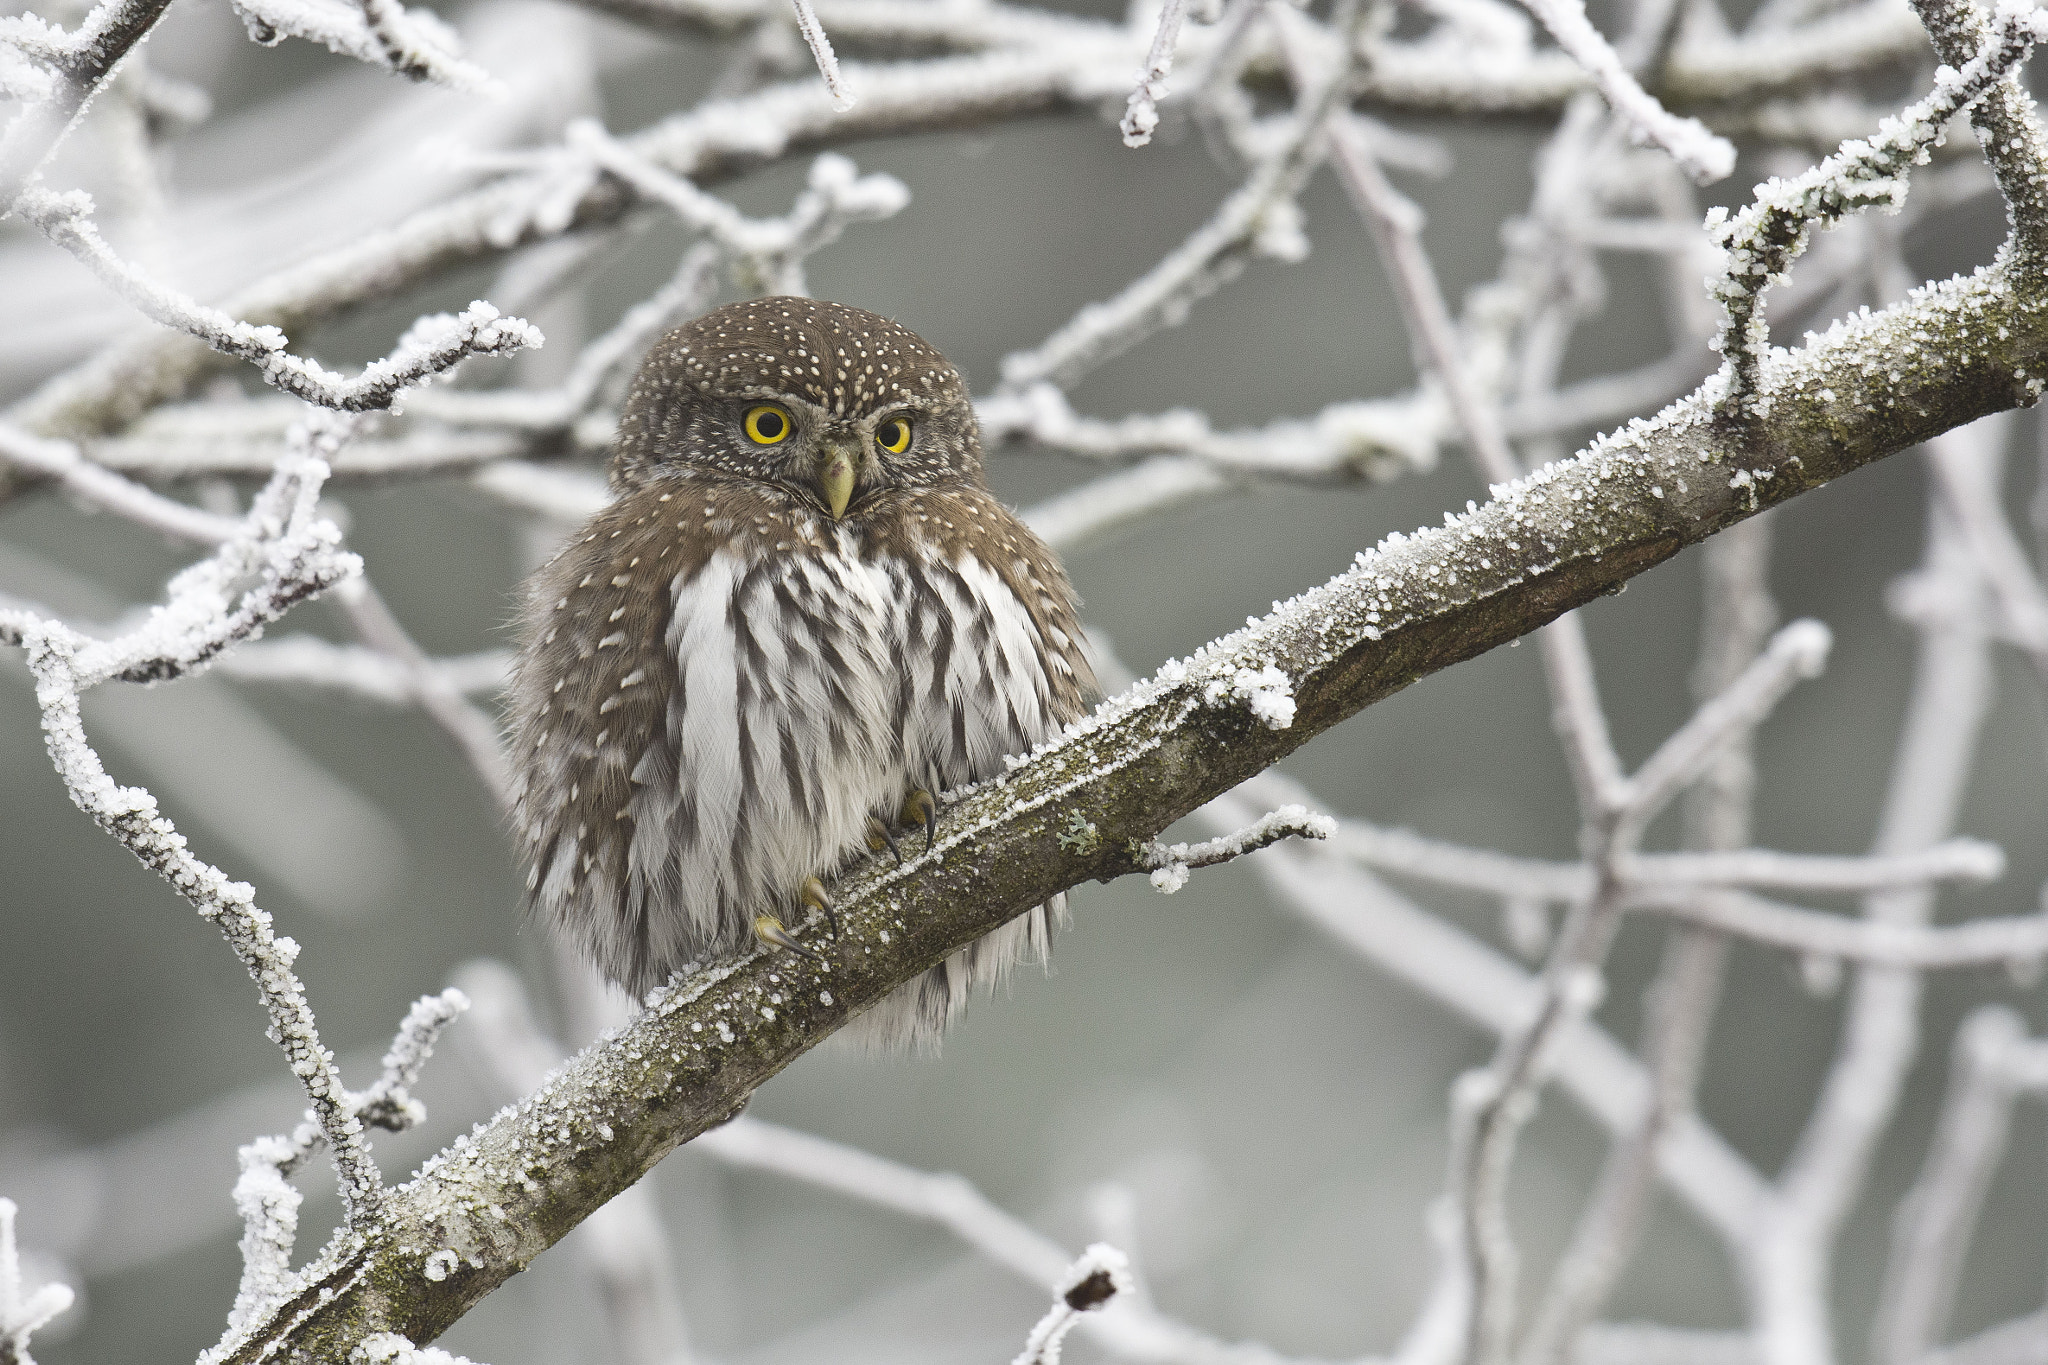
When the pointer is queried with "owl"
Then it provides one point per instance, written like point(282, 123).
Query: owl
point(802, 615)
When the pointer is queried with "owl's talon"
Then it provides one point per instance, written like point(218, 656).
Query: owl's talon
point(880, 838)
point(769, 930)
point(813, 894)
point(920, 809)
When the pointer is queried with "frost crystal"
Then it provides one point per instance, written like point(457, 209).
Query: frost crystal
point(389, 1348)
point(1267, 691)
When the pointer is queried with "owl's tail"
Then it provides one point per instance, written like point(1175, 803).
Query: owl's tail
point(914, 1016)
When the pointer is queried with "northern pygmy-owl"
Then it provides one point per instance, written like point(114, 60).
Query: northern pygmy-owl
point(802, 615)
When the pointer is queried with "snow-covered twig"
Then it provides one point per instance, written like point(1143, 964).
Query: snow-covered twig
point(560, 407)
point(291, 553)
point(360, 671)
point(388, 1103)
point(1796, 653)
point(1171, 864)
point(1097, 1277)
point(2018, 940)
point(1396, 226)
point(1764, 238)
point(767, 253)
point(1703, 155)
point(474, 732)
point(1259, 218)
point(1787, 1258)
point(420, 51)
point(23, 1311)
point(57, 74)
point(821, 51)
point(1141, 111)
point(1932, 1228)
point(95, 484)
point(379, 33)
point(431, 347)
point(264, 1195)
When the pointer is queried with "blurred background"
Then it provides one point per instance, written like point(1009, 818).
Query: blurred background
point(1266, 1109)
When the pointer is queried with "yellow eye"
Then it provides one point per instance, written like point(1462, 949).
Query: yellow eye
point(894, 435)
point(767, 424)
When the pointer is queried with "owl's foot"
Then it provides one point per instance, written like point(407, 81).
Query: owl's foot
point(769, 930)
point(813, 894)
point(880, 838)
point(920, 809)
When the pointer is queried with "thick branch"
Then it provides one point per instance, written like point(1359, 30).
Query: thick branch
point(1086, 806)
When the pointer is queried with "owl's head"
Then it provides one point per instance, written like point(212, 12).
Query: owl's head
point(830, 402)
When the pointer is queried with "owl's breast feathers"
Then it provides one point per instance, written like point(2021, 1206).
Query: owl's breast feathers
point(718, 685)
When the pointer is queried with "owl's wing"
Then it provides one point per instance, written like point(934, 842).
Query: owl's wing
point(587, 703)
point(1016, 616)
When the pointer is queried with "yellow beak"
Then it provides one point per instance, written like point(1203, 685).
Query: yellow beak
point(835, 476)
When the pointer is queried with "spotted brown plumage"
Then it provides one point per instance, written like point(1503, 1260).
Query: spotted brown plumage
point(720, 681)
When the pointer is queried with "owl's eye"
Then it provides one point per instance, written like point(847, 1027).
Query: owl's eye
point(766, 424)
point(894, 435)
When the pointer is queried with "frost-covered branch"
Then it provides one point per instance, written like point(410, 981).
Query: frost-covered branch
point(1141, 111)
point(23, 1310)
point(1763, 239)
point(1101, 1273)
point(264, 1195)
point(93, 483)
point(359, 670)
point(1260, 218)
point(1417, 603)
point(433, 346)
point(291, 553)
point(821, 51)
point(1993, 1060)
point(56, 75)
point(2018, 940)
point(1170, 865)
point(1704, 156)
point(410, 44)
point(768, 254)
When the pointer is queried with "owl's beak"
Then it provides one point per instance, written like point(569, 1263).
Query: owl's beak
point(836, 466)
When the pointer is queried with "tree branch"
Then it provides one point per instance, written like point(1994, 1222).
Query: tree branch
point(1086, 806)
